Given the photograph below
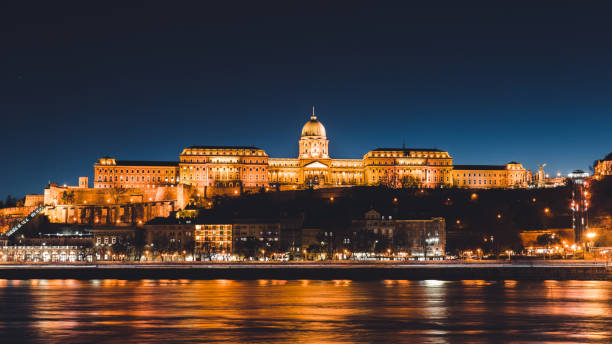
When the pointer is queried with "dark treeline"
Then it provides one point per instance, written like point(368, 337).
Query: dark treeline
point(601, 197)
point(11, 201)
point(471, 215)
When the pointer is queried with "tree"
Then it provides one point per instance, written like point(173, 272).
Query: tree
point(327, 241)
point(68, 197)
point(115, 194)
point(601, 199)
point(10, 202)
point(315, 249)
point(188, 244)
point(410, 182)
point(548, 240)
point(368, 241)
point(391, 179)
point(139, 243)
point(311, 181)
point(382, 244)
point(251, 247)
point(205, 251)
point(161, 245)
point(121, 248)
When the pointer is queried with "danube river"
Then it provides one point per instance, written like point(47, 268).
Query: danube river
point(304, 311)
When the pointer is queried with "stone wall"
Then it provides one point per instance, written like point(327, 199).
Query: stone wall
point(110, 214)
point(34, 200)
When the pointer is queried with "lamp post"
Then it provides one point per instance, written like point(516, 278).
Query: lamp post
point(591, 241)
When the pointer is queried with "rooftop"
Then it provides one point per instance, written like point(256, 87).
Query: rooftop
point(145, 163)
point(407, 150)
point(479, 167)
point(223, 147)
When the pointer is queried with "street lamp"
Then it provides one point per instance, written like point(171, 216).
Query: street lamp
point(591, 236)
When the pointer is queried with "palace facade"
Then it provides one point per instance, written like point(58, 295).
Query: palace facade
point(603, 167)
point(233, 169)
point(510, 175)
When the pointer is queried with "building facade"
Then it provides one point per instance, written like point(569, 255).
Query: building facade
point(214, 238)
point(112, 173)
point(603, 167)
point(424, 238)
point(510, 175)
point(233, 170)
point(45, 254)
point(267, 232)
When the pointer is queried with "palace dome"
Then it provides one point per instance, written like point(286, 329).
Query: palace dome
point(313, 128)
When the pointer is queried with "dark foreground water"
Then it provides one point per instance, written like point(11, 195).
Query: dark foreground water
point(275, 311)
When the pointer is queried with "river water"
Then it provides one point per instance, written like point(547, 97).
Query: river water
point(304, 311)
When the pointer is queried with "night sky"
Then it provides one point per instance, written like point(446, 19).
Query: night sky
point(142, 80)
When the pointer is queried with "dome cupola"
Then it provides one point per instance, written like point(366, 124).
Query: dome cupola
point(313, 127)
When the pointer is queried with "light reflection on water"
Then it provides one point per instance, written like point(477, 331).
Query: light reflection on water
point(304, 311)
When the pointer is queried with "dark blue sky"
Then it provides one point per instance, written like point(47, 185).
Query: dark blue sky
point(142, 80)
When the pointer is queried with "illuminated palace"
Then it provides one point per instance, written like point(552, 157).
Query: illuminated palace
point(213, 170)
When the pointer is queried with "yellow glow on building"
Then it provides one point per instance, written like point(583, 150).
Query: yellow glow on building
point(232, 170)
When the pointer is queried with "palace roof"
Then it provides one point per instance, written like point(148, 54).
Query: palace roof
point(145, 163)
point(479, 167)
point(407, 150)
point(223, 147)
